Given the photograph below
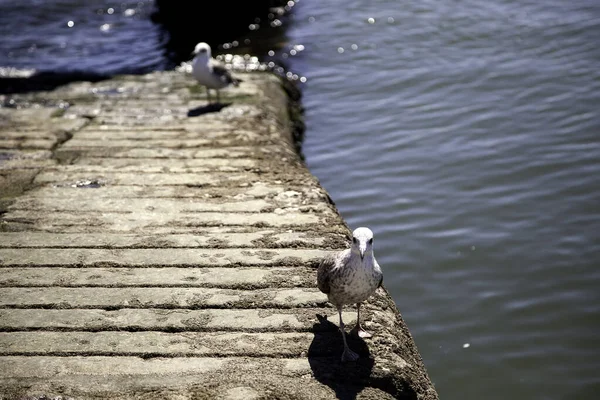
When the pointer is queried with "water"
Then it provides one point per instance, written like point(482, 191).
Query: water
point(109, 37)
point(464, 133)
point(67, 35)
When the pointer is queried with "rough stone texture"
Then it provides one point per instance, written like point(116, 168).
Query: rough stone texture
point(145, 253)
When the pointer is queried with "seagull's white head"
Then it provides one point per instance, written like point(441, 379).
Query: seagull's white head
point(202, 49)
point(362, 242)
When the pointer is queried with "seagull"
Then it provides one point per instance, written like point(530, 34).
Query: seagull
point(209, 72)
point(351, 276)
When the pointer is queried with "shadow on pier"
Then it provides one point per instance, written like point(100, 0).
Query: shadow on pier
point(348, 379)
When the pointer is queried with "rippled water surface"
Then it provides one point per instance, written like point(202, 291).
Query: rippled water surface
point(466, 134)
point(102, 36)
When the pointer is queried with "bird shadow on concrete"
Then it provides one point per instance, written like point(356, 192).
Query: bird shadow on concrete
point(324, 356)
point(207, 109)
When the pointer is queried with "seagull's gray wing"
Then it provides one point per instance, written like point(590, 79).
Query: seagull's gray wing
point(224, 75)
point(380, 279)
point(324, 272)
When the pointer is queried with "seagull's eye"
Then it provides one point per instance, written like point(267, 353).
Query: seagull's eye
point(371, 241)
point(354, 240)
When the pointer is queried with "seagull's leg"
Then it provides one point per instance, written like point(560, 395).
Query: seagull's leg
point(347, 355)
point(208, 95)
point(218, 97)
point(358, 330)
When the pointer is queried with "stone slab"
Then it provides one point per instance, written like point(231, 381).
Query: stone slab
point(145, 179)
point(211, 132)
point(91, 204)
point(187, 143)
point(164, 164)
point(24, 164)
point(224, 152)
point(168, 320)
point(218, 238)
point(166, 344)
point(159, 257)
point(14, 133)
point(231, 278)
point(173, 167)
point(152, 222)
point(193, 298)
point(27, 144)
point(226, 378)
point(245, 190)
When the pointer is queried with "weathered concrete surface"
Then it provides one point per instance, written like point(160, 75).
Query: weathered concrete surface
point(148, 254)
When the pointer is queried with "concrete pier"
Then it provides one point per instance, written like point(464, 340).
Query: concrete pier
point(151, 250)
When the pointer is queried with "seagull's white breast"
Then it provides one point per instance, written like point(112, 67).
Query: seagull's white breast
point(203, 72)
point(355, 282)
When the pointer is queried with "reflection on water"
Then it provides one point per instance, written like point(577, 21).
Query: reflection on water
point(73, 40)
point(466, 135)
point(73, 35)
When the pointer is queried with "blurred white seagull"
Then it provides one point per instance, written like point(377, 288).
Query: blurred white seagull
point(209, 72)
point(349, 277)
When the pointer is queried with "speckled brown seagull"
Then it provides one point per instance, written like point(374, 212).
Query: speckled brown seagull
point(349, 277)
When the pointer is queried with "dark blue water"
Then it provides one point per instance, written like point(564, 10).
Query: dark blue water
point(466, 134)
point(102, 36)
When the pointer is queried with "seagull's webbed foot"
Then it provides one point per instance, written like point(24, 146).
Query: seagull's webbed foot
point(360, 332)
point(348, 355)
